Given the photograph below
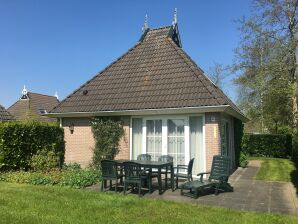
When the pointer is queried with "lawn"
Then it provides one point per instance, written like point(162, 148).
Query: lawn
point(21, 203)
point(275, 169)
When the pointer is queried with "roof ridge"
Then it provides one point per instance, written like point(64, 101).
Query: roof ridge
point(159, 28)
point(42, 94)
point(97, 74)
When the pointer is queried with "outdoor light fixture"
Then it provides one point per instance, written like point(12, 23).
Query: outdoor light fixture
point(212, 118)
point(71, 128)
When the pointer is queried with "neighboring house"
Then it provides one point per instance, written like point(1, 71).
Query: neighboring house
point(166, 102)
point(5, 115)
point(33, 106)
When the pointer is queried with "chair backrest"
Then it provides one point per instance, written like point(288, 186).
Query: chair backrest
point(144, 157)
point(109, 169)
point(220, 167)
point(166, 158)
point(190, 165)
point(132, 170)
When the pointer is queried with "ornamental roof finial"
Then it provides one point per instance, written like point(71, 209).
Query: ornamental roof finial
point(24, 93)
point(146, 26)
point(56, 95)
point(175, 17)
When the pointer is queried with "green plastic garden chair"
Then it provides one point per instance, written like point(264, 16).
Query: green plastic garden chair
point(110, 171)
point(218, 178)
point(135, 175)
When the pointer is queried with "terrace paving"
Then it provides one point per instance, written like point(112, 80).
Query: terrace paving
point(249, 194)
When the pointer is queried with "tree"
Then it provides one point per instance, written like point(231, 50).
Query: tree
point(267, 63)
point(217, 73)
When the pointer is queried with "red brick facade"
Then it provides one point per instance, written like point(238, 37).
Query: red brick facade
point(80, 143)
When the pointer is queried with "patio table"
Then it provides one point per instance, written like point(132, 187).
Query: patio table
point(154, 165)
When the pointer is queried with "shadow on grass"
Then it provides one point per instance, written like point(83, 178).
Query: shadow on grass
point(294, 176)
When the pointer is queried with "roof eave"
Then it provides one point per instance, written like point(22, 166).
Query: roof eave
point(164, 111)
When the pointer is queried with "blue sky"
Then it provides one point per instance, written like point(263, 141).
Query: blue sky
point(57, 45)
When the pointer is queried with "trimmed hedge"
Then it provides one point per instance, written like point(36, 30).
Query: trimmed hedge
point(269, 145)
point(20, 141)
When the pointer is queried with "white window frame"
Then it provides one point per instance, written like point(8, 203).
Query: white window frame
point(164, 119)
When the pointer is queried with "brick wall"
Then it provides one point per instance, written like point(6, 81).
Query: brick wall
point(124, 142)
point(79, 144)
point(212, 137)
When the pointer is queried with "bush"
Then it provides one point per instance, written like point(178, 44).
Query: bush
point(45, 161)
point(270, 145)
point(74, 178)
point(107, 133)
point(19, 141)
point(80, 178)
point(243, 160)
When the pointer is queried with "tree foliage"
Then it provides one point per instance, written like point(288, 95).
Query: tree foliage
point(266, 61)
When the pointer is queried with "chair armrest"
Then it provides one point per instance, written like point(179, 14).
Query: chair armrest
point(202, 174)
point(182, 167)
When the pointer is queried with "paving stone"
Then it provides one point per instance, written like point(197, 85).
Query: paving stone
point(249, 194)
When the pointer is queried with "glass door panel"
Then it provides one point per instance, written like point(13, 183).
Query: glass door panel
point(136, 137)
point(225, 139)
point(176, 141)
point(154, 138)
point(196, 144)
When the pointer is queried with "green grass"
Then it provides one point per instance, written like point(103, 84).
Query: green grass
point(21, 203)
point(275, 169)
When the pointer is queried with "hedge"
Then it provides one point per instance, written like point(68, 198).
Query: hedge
point(269, 145)
point(66, 177)
point(19, 141)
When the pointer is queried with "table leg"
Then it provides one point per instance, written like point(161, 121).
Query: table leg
point(159, 180)
point(172, 177)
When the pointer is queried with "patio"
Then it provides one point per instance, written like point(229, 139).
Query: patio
point(249, 194)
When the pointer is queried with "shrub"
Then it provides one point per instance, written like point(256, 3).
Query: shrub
point(243, 160)
point(19, 141)
point(80, 178)
point(75, 178)
point(45, 161)
point(270, 145)
point(107, 133)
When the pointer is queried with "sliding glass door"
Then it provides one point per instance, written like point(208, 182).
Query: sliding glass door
point(154, 138)
point(177, 136)
point(176, 141)
point(196, 143)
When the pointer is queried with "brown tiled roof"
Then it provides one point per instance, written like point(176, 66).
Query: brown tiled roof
point(156, 73)
point(4, 114)
point(30, 108)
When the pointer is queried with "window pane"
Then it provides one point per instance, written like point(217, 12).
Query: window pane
point(176, 141)
point(154, 138)
point(136, 137)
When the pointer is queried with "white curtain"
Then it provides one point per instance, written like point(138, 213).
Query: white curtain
point(176, 141)
point(154, 138)
point(196, 143)
point(136, 137)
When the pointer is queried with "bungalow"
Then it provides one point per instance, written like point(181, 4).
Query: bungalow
point(166, 102)
point(33, 106)
point(5, 115)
